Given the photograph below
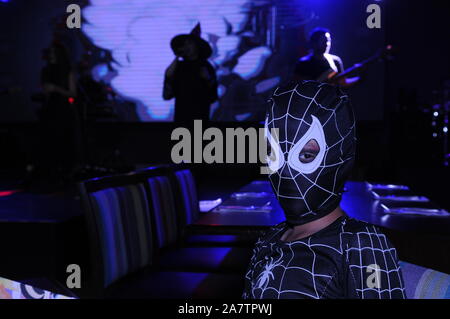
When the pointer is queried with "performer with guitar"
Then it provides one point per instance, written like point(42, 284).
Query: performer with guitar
point(322, 66)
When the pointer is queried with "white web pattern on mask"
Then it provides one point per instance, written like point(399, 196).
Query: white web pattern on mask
point(285, 142)
point(389, 253)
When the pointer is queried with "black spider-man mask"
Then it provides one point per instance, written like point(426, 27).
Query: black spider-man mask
point(308, 190)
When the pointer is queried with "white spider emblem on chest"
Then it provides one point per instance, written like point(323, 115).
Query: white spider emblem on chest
point(264, 277)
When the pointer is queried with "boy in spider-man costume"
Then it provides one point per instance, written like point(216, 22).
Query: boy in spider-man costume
point(318, 252)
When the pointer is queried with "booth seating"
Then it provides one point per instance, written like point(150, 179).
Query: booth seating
point(134, 229)
point(170, 215)
point(425, 283)
point(185, 192)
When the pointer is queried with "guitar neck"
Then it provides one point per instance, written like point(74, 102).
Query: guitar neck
point(352, 69)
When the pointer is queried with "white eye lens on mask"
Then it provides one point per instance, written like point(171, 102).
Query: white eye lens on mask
point(315, 132)
point(274, 165)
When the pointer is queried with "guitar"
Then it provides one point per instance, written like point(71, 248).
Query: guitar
point(333, 77)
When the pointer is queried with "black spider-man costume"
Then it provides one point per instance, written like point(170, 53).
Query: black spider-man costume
point(346, 259)
point(336, 262)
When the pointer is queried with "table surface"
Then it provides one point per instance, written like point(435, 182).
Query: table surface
point(357, 202)
point(38, 208)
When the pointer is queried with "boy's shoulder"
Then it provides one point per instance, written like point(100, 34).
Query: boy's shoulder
point(362, 234)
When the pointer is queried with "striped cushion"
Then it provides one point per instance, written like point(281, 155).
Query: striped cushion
point(164, 210)
point(189, 195)
point(123, 220)
point(424, 283)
